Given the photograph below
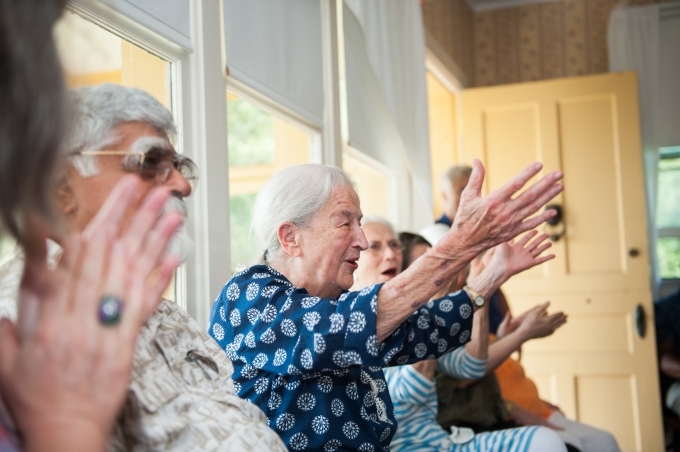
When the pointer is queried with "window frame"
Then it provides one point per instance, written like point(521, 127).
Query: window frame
point(201, 118)
point(259, 100)
point(201, 136)
point(398, 186)
point(248, 180)
point(668, 284)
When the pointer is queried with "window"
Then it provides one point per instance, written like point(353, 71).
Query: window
point(6, 249)
point(260, 144)
point(91, 55)
point(372, 184)
point(668, 213)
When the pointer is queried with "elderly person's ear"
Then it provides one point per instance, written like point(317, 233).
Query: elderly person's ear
point(66, 201)
point(289, 238)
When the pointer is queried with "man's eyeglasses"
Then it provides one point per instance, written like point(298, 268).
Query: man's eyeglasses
point(155, 164)
point(379, 247)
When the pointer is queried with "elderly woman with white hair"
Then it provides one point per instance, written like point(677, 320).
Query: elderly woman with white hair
point(310, 353)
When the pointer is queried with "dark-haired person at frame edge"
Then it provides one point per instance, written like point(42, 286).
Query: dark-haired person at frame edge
point(667, 319)
point(65, 364)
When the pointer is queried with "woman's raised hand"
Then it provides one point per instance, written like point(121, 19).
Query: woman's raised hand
point(483, 222)
point(508, 259)
point(64, 371)
point(538, 323)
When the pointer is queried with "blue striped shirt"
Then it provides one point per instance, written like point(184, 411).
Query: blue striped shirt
point(415, 407)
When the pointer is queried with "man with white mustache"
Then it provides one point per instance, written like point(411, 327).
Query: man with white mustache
point(181, 395)
point(181, 244)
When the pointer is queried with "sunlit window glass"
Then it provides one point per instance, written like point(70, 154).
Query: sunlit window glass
point(371, 183)
point(260, 144)
point(7, 247)
point(91, 55)
point(668, 213)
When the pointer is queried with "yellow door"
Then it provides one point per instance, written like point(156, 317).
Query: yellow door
point(597, 368)
point(442, 112)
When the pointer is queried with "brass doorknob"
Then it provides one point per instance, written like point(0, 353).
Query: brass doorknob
point(633, 252)
point(555, 226)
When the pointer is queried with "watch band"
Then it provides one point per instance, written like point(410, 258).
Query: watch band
point(477, 298)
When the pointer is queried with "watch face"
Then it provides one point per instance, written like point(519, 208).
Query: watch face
point(479, 301)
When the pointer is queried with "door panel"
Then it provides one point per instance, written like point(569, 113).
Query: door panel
point(619, 390)
point(518, 121)
point(596, 367)
point(590, 161)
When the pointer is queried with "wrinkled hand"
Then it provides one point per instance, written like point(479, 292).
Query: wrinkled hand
point(508, 325)
point(480, 262)
point(537, 323)
point(483, 222)
point(62, 373)
point(525, 417)
point(509, 259)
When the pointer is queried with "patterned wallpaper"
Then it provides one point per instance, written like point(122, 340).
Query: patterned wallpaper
point(533, 42)
point(452, 23)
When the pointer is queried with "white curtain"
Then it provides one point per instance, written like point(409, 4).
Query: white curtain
point(386, 91)
point(371, 127)
point(168, 18)
point(635, 44)
point(274, 48)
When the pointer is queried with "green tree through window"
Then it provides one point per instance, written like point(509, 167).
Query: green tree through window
point(243, 252)
point(250, 134)
point(668, 213)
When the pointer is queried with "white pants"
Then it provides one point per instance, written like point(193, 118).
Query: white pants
point(545, 440)
point(582, 436)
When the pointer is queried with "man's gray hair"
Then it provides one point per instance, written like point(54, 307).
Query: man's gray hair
point(96, 110)
point(377, 219)
point(294, 194)
point(454, 174)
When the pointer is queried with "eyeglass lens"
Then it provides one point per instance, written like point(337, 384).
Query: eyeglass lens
point(158, 163)
point(378, 247)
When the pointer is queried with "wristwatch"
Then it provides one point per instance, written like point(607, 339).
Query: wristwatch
point(476, 297)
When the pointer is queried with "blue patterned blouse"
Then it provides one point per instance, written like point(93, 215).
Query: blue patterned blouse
point(313, 365)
